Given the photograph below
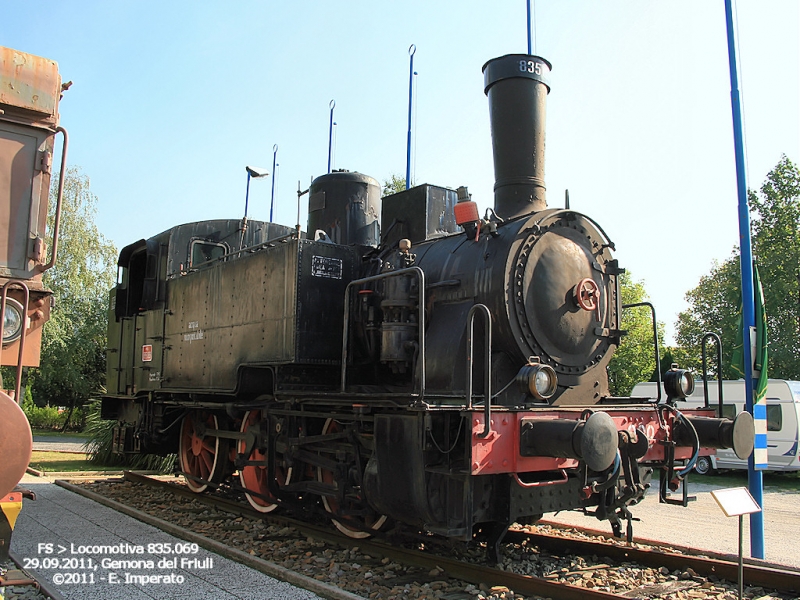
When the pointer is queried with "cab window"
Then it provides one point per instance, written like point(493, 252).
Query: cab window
point(201, 252)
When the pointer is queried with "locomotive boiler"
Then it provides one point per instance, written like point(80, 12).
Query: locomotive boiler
point(406, 359)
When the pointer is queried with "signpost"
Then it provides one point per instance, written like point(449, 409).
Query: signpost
point(737, 502)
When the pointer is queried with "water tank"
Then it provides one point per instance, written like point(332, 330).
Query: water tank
point(347, 207)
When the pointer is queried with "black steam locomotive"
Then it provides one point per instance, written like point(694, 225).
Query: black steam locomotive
point(407, 359)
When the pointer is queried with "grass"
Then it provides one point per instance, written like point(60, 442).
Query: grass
point(57, 462)
point(68, 434)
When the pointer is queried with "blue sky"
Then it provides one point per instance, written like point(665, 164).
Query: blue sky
point(172, 99)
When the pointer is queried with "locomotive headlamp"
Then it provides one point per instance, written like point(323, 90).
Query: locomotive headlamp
point(678, 383)
point(13, 320)
point(538, 380)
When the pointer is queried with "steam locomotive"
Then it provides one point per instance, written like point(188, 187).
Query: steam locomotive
point(406, 359)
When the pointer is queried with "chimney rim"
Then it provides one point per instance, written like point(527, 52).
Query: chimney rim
point(500, 68)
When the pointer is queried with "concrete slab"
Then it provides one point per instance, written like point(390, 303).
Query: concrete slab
point(703, 525)
point(54, 443)
point(71, 541)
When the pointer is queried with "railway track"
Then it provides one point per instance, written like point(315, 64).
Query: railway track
point(679, 573)
point(18, 584)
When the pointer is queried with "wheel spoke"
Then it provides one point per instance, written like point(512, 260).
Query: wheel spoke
point(201, 457)
point(255, 477)
point(206, 463)
point(356, 527)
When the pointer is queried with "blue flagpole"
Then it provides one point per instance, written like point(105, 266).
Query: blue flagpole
point(529, 26)
point(272, 198)
point(411, 51)
point(754, 478)
point(330, 134)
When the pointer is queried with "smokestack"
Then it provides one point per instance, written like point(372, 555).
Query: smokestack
point(517, 87)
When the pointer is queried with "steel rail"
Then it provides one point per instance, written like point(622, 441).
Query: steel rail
point(469, 572)
point(769, 577)
point(42, 584)
point(754, 575)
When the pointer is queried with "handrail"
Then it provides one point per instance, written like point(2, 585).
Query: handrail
point(487, 384)
point(23, 335)
point(655, 342)
point(706, 337)
point(293, 234)
point(421, 304)
point(57, 220)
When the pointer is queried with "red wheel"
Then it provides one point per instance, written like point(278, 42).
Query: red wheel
point(360, 524)
point(202, 456)
point(254, 477)
point(587, 296)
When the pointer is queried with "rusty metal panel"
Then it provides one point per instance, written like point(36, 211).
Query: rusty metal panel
point(24, 187)
point(29, 82)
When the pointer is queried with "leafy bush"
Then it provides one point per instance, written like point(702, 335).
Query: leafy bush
point(41, 417)
point(100, 446)
point(51, 417)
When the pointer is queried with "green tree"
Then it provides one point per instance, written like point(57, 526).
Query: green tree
point(714, 303)
point(74, 340)
point(713, 308)
point(395, 183)
point(776, 245)
point(634, 360)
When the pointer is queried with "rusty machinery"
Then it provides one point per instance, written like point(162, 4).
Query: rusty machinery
point(30, 90)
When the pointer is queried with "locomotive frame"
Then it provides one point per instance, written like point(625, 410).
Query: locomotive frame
point(338, 372)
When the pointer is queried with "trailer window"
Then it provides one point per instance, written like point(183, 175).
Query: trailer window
point(774, 415)
point(728, 410)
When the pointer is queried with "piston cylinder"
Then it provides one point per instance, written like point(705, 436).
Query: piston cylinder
point(517, 88)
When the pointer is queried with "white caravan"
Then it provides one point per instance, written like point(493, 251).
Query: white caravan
point(783, 421)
